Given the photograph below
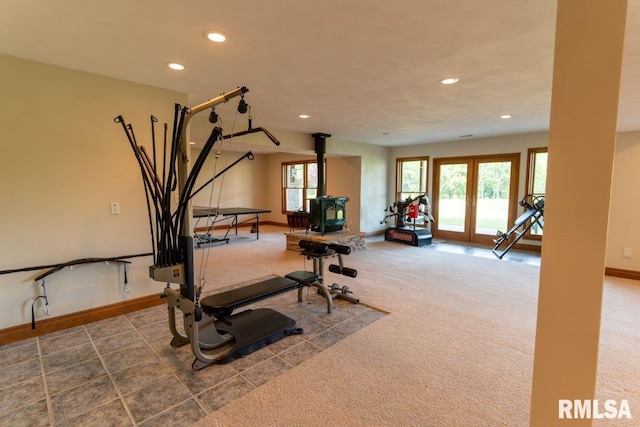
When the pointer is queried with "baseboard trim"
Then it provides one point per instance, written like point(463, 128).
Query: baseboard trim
point(277, 224)
point(47, 326)
point(225, 227)
point(625, 274)
point(528, 248)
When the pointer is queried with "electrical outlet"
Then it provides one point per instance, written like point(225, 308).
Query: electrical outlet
point(115, 208)
point(627, 252)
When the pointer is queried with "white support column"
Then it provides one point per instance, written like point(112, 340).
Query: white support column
point(586, 81)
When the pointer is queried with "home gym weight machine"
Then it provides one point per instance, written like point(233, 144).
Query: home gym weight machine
point(208, 322)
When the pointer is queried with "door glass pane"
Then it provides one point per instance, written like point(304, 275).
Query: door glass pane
point(452, 197)
point(492, 198)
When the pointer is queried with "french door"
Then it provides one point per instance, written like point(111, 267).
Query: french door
point(474, 197)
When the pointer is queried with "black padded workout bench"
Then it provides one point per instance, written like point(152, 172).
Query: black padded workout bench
point(211, 324)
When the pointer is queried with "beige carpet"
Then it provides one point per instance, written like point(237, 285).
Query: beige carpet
point(455, 350)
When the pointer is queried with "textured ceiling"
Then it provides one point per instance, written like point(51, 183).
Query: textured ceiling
point(365, 71)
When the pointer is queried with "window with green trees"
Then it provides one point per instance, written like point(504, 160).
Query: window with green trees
point(411, 177)
point(537, 179)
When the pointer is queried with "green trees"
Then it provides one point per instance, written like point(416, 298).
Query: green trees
point(493, 181)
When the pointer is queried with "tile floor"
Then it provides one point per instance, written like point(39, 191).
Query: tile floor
point(123, 372)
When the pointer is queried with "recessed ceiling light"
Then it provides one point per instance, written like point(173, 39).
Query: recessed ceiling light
point(450, 80)
point(215, 36)
point(506, 116)
point(175, 66)
point(304, 116)
point(192, 143)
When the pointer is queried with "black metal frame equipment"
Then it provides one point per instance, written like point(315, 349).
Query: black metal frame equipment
point(533, 214)
point(215, 335)
point(229, 216)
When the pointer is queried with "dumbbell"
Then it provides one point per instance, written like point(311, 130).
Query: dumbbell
point(337, 289)
point(344, 293)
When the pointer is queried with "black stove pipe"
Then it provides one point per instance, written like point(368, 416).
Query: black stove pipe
point(320, 140)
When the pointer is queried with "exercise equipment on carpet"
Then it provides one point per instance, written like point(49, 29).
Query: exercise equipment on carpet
point(533, 214)
point(318, 252)
point(409, 211)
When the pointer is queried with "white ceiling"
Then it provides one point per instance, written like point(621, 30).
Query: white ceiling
point(365, 71)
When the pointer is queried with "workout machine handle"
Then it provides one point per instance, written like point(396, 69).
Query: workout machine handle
point(340, 249)
point(345, 271)
point(254, 130)
point(317, 247)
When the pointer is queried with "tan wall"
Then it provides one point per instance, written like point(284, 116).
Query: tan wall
point(64, 160)
point(343, 180)
point(625, 204)
point(242, 185)
point(372, 180)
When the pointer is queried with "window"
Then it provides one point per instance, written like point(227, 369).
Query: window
point(411, 177)
point(537, 180)
point(299, 184)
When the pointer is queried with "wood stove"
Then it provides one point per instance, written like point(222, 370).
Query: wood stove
point(328, 214)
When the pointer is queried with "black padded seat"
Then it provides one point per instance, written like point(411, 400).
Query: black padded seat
point(227, 301)
point(304, 278)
